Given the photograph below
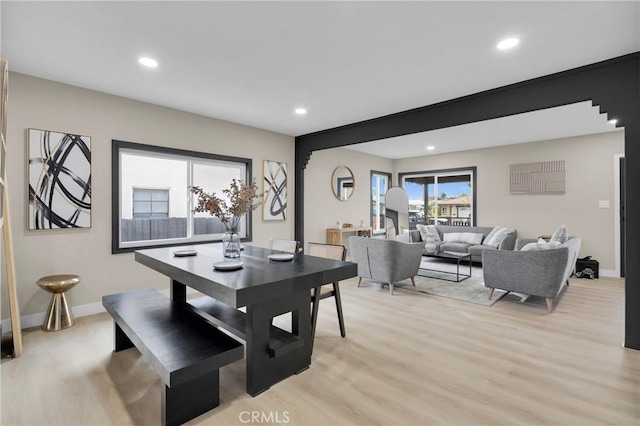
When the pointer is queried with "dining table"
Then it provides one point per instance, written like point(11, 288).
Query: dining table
point(243, 300)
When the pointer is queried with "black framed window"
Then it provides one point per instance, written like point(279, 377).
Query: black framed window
point(151, 202)
point(380, 183)
point(446, 197)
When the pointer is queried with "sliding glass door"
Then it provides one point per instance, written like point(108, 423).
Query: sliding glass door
point(445, 197)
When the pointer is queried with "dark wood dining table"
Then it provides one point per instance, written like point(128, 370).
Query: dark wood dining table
point(266, 288)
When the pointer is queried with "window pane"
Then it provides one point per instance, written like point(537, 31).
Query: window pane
point(214, 177)
point(160, 207)
point(153, 200)
point(141, 194)
point(141, 207)
point(379, 186)
point(142, 176)
point(447, 195)
point(160, 195)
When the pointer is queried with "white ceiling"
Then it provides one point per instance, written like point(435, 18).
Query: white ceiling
point(254, 62)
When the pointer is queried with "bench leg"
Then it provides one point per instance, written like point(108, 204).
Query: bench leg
point(121, 341)
point(191, 399)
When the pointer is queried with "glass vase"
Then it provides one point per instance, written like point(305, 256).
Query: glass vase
point(231, 244)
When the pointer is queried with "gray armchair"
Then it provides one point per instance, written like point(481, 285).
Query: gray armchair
point(538, 273)
point(386, 261)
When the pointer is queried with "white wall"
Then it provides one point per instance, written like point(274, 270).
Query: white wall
point(590, 177)
point(321, 208)
point(589, 162)
point(42, 104)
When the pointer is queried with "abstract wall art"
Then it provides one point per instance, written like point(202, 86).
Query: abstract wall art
point(274, 202)
point(546, 177)
point(59, 174)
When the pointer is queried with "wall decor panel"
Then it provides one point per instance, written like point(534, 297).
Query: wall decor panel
point(545, 177)
point(274, 204)
point(59, 180)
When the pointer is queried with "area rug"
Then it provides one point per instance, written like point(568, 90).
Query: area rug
point(471, 290)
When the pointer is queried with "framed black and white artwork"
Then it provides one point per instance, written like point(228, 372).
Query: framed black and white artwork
point(274, 202)
point(59, 173)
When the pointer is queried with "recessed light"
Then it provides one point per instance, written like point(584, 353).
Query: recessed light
point(431, 148)
point(300, 111)
point(614, 121)
point(508, 43)
point(148, 62)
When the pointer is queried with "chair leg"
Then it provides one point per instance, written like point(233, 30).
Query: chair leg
point(490, 292)
point(549, 304)
point(413, 281)
point(391, 288)
point(336, 290)
point(359, 281)
point(314, 313)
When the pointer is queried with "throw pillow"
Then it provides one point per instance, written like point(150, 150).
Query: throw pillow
point(530, 247)
point(541, 245)
point(560, 234)
point(428, 229)
point(463, 237)
point(431, 229)
point(495, 237)
point(423, 232)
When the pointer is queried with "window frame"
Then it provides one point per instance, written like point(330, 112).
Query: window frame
point(471, 170)
point(388, 175)
point(117, 146)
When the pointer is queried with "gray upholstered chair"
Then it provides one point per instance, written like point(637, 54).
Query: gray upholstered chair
point(385, 261)
point(540, 273)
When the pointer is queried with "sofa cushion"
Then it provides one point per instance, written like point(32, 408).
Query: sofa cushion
point(478, 249)
point(560, 234)
point(454, 246)
point(463, 237)
point(496, 236)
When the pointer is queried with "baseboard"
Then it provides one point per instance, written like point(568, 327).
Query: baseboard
point(36, 320)
point(611, 273)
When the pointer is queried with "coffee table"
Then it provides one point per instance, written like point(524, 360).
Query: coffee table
point(453, 256)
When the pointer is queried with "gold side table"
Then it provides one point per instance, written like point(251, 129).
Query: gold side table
point(58, 315)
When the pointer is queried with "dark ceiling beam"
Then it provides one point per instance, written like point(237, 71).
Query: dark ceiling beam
point(613, 85)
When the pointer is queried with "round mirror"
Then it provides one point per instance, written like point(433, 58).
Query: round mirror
point(342, 183)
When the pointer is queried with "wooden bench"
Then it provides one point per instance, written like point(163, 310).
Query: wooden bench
point(183, 348)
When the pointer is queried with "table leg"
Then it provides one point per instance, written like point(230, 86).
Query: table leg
point(263, 371)
point(178, 292)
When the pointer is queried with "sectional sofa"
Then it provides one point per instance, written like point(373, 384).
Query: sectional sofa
point(467, 239)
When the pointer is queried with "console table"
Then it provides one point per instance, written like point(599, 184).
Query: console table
point(335, 235)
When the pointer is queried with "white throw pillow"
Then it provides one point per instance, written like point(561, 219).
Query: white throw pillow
point(560, 234)
point(431, 229)
point(425, 230)
point(541, 245)
point(530, 247)
point(463, 237)
point(495, 237)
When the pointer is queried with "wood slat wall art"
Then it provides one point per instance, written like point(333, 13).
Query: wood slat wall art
point(544, 177)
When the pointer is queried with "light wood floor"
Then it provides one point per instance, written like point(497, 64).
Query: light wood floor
point(408, 359)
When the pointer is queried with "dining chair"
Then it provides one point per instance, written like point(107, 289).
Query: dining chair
point(329, 251)
point(290, 246)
